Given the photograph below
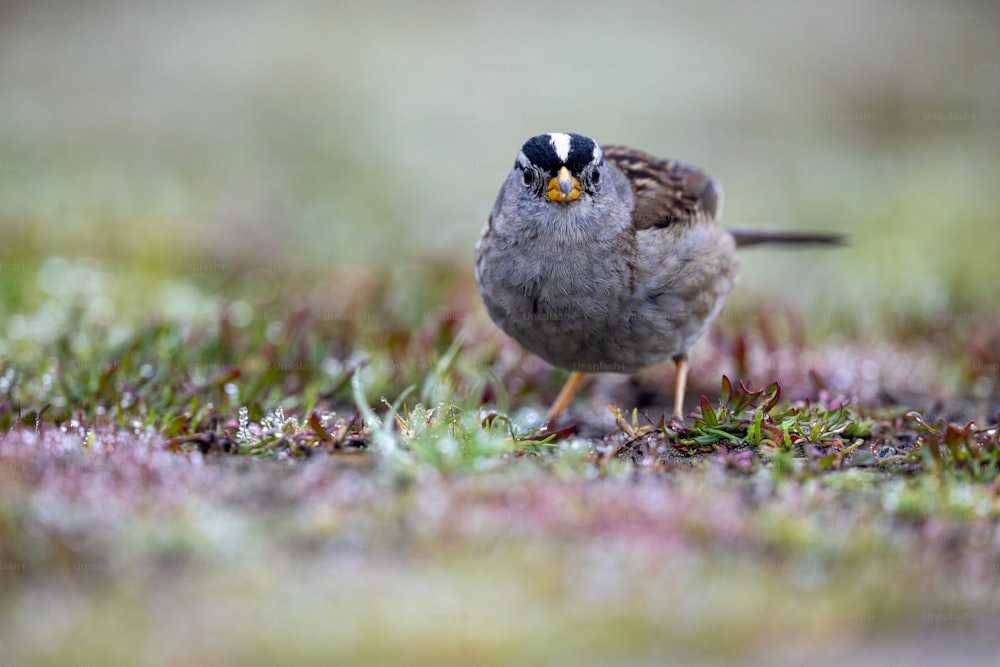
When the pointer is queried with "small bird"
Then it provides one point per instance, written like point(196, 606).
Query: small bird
point(608, 259)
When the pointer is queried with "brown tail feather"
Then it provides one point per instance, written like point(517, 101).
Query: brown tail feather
point(749, 237)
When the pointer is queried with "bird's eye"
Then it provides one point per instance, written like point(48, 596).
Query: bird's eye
point(527, 177)
point(595, 176)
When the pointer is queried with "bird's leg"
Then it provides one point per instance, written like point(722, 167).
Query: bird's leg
point(565, 396)
point(680, 386)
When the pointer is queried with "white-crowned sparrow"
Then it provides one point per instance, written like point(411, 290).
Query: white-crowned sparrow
point(607, 259)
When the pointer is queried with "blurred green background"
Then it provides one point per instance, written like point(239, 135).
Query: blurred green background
point(158, 136)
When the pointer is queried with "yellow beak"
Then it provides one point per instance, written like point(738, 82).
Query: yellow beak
point(564, 187)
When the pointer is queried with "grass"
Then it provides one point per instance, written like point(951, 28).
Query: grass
point(380, 475)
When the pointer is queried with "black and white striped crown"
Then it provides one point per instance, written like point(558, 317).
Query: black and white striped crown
point(560, 149)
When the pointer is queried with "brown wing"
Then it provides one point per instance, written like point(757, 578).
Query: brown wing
point(667, 192)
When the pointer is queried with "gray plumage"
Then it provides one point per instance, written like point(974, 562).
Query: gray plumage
point(631, 273)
